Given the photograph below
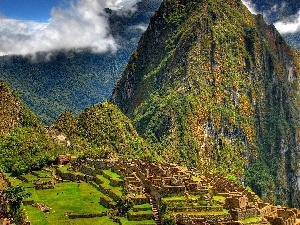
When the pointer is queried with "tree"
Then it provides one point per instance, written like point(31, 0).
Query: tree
point(15, 195)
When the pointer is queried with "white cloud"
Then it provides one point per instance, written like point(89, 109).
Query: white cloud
point(83, 24)
point(250, 6)
point(287, 25)
point(290, 26)
point(142, 27)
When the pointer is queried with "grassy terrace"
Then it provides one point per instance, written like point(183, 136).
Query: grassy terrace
point(219, 198)
point(65, 169)
point(65, 198)
point(30, 177)
point(13, 180)
point(217, 213)
point(39, 218)
point(112, 174)
point(43, 174)
point(143, 207)
point(251, 220)
point(179, 198)
point(148, 212)
point(77, 198)
point(106, 185)
point(125, 221)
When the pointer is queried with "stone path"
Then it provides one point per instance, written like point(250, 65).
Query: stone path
point(155, 211)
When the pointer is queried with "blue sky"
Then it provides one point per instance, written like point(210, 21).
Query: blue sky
point(38, 10)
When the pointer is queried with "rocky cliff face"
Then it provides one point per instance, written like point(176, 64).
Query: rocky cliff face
point(214, 86)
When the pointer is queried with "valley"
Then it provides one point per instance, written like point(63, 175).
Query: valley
point(200, 125)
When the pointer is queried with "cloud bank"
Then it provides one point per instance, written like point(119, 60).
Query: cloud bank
point(292, 25)
point(250, 6)
point(286, 26)
point(83, 24)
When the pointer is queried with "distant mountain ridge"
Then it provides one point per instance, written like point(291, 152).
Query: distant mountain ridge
point(73, 80)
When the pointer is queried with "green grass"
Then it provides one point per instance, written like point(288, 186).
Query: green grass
point(30, 177)
point(146, 212)
point(112, 174)
point(125, 221)
point(65, 198)
point(217, 213)
point(15, 181)
point(251, 220)
point(43, 174)
point(180, 198)
point(146, 206)
point(106, 185)
point(64, 169)
point(41, 218)
point(219, 198)
point(194, 178)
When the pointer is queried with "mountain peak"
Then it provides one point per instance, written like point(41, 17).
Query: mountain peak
point(212, 85)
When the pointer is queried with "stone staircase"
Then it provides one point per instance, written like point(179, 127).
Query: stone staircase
point(155, 211)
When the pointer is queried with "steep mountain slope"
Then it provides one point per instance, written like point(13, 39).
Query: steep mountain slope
point(13, 112)
point(214, 86)
point(102, 130)
point(24, 143)
point(72, 80)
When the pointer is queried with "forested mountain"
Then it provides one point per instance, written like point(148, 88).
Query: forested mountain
point(213, 86)
point(53, 82)
point(24, 143)
point(103, 130)
point(99, 131)
point(75, 79)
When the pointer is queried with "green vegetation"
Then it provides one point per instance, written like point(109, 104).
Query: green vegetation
point(251, 220)
point(26, 149)
point(53, 82)
point(143, 207)
point(211, 90)
point(15, 195)
point(125, 221)
point(80, 199)
point(102, 130)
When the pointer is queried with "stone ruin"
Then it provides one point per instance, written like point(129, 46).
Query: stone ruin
point(65, 159)
point(157, 181)
point(41, 207)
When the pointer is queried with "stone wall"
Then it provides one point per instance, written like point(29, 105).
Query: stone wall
point(239, 214)
point(196, 209)
point(75, 216)
point(236, 201)
point(137, 217)
point(210, 219)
